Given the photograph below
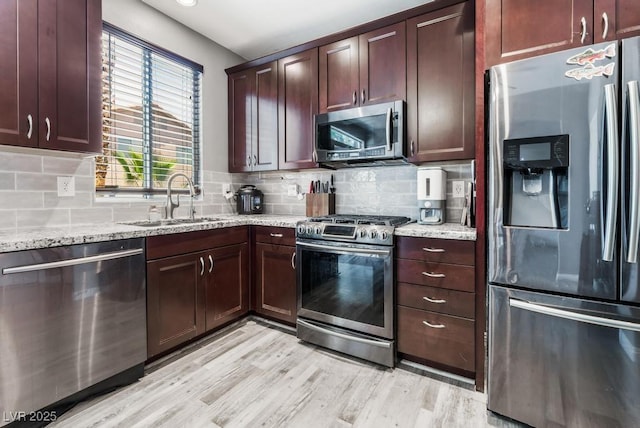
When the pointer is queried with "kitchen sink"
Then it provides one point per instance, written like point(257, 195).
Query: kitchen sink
point(170, 221)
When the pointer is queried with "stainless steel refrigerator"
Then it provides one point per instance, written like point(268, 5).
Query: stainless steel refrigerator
point(563, 228)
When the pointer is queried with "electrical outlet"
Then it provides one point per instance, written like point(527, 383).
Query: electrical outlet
point(66, 186)
point(458, 189)
point(292, 190)
point(226, 188)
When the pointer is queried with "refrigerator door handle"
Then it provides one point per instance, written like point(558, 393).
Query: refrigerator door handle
point(575, 316)
point(611, 129)
point(634, 149)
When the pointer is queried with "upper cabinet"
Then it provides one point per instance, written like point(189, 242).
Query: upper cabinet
point(50, 64)
point(440, 85)
point(297, 104)
point(253, 119)
point(365, 69)
point(518, 29)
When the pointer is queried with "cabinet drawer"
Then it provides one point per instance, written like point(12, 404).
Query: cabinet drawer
point(275, 235)
point(189, 242)
point(436, 250)
point(441, 275)
point(458, 303)
point(449, 340)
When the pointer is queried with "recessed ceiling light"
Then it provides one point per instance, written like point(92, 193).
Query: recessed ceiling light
point(187, 3)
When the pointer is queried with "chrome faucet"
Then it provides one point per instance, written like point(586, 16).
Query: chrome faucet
point(170, 205)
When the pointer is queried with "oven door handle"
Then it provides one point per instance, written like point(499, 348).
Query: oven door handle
point(346, 249)
point(344, 336)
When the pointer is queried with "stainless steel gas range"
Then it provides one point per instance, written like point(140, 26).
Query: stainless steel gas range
point(345, 284)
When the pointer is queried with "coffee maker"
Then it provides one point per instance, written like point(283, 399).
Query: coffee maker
point(432, 195)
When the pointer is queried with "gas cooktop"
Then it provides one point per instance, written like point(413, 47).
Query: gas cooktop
point(367, 229)
point(376, 220)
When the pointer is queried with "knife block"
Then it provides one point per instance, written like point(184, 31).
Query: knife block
point(319, 204)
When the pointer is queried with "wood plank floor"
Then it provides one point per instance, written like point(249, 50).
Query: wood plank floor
point(254, 375)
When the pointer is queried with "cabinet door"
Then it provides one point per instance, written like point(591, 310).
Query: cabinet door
point(175, 304)
point(440, 84)
point(383, 65)
point(297, 104)
point(615, 19)
point(240, 120)
point(227, 284)
point(518, 29)
point(275, 278)
point(265, 118)
point(338, 75)
point(19, 71)
point(69, 69)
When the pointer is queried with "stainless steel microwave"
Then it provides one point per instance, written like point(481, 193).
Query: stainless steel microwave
point(366, 135)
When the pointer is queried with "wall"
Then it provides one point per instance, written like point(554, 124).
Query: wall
point(28, 177)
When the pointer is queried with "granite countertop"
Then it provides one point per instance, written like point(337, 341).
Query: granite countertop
point(47, 237)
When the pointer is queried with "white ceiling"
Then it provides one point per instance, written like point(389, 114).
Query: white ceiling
point(255, 28)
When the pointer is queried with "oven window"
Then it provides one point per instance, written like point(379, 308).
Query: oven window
point(347, 286)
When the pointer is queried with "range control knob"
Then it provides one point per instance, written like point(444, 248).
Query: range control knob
point(363, 233)
point(301, 229)
point(384, 235)
point(373, 234)
point(309, 230)
point(318, 230)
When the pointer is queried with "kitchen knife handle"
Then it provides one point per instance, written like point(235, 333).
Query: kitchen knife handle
point(634, 141)
point(611, 212)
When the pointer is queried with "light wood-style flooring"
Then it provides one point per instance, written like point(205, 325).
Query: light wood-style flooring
point(255, 375)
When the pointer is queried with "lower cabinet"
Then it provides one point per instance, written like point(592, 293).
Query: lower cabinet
point(275, 273)
point(436, 303)
point(196, 281)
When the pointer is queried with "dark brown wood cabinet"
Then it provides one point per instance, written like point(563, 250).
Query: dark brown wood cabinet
point(441, 85)
point(297, 104)
point(253, 119)
point(436, 302)
point(518, 29)
point(275, 273)
point(365, 69)
point(50, 63)
point(196, 281)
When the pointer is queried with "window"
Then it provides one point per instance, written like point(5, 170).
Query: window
point(150, 117)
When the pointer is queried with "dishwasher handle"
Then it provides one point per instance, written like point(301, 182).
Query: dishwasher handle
point(72, 262)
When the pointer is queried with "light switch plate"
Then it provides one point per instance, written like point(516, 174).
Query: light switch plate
point(458, 189)
point(66, 186)
point(226, 188)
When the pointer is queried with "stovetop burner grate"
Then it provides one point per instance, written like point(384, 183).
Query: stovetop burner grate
point(376, 220)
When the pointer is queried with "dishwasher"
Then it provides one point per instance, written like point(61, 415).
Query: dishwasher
point(72, 324)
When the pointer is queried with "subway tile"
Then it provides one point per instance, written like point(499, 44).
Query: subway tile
point(20, 162)
point(7, 181)
point(21, 201)
point(65, 166)
point(34, 182)
point(8, 219)
point(43, 217)
point(79, 200)
point(91, 215)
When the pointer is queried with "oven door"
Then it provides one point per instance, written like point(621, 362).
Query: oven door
point(346, 285)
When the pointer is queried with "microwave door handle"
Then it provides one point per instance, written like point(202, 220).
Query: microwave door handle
point(611, 128)
point(634, 152)
point(389, 128)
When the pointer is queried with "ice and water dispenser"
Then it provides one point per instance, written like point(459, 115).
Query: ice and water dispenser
point(536, 182)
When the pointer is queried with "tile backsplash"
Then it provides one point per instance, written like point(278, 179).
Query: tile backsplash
point(29, 197)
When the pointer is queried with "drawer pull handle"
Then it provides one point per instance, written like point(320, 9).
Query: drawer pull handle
point(434, 300)
point(433, 275)
point(276, 235)
point(211, 265)
point(428, 324)
point(434, 250)
point(201, 266)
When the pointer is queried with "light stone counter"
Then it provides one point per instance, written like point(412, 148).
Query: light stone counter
point(441, 231)
point(28, 239)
